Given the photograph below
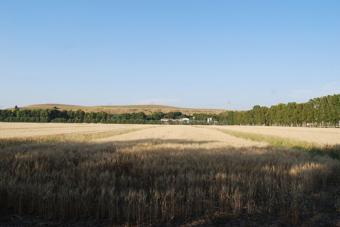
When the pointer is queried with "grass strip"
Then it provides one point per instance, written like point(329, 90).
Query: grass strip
point(276, 141)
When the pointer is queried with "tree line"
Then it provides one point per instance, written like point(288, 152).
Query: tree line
point(79, 116)
point(318, 112)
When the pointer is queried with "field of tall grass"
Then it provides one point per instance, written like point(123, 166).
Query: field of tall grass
point(165, 182)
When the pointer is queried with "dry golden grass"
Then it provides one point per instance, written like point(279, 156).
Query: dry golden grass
point(160, 175)
point(147, 109)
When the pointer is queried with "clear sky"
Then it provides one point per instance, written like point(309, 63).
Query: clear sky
point(225, 54)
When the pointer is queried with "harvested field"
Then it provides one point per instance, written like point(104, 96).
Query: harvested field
point(159, 175)
point(208, 137)
point(25, 130)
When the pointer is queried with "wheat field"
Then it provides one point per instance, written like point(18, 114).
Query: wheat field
point(320, 136)
point(156, 175)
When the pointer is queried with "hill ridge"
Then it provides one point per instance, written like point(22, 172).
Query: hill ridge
point(119, 109)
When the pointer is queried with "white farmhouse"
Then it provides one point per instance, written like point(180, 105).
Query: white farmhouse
point(184, 120)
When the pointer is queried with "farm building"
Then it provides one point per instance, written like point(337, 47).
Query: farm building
point(180, 120)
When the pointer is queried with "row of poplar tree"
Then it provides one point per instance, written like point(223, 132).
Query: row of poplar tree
point(323, 111)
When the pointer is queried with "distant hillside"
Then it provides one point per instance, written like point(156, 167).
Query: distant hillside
point(147, 109)
point(318, 112)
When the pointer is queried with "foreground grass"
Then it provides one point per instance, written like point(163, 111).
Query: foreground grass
point(136, 183)
point(280, 142)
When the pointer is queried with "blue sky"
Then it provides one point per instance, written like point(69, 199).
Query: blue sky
point(220, 54)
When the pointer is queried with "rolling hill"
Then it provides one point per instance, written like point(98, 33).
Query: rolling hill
point(147, 109)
